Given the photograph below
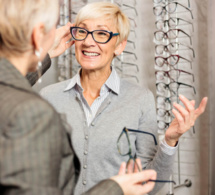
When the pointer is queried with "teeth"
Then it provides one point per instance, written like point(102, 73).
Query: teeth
point(90, 54)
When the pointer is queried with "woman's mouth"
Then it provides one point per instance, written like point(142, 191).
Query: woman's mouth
point(90, 54)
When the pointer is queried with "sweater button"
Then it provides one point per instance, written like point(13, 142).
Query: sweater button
point(84, 182)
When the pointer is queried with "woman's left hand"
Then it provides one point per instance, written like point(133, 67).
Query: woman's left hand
point(185, 118)
point(62, 41)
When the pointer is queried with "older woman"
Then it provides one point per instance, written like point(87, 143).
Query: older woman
point(99, 104)
point(36, 156)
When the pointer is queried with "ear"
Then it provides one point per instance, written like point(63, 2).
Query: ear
point(37, 36)
point(120, 47)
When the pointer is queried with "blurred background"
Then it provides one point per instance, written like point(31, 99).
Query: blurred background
point(171, 50)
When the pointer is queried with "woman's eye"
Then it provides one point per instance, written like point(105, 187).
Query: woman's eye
point(81, 31)
point(102, 33)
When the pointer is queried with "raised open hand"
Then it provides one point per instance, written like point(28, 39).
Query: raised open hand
point(185, 118)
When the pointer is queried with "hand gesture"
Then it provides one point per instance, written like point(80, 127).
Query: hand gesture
point(185, 118)
point(131, 183)
point(62, 41)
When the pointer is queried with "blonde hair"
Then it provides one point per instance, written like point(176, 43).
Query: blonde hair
point(108, 10)
point(17, 20)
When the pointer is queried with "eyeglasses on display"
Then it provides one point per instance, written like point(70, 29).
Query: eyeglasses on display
point(170, 8)
point(170, 34)
point(172, 60)
point(172, 48)
point(172, 22)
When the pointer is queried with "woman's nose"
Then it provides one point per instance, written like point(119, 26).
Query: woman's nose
point(89, 40)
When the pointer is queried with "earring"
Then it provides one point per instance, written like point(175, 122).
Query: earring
point(39, 66)
point(116, 53)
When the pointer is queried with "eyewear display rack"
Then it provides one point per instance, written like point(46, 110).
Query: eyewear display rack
point(173, 61)
point(125, 64)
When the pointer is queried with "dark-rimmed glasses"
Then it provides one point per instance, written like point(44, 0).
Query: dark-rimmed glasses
point(125, 149)
point(171, 22)
point(172, 60)
point(163, 87)
point(172, 48)
point(170, 34)
point(172, 74)
point(170, 8)
point(99, 36)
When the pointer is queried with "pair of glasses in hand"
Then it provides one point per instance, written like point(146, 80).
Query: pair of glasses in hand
point(124, 148)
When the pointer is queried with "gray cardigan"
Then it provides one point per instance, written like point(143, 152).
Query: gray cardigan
point(96, 145)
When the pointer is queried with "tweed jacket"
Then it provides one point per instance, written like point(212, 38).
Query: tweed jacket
point(96, 145)
point(36, 155)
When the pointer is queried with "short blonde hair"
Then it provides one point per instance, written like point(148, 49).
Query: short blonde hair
point(109, 10)
point(18, 19)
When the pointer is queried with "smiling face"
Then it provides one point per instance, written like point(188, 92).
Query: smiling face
point(92, 55)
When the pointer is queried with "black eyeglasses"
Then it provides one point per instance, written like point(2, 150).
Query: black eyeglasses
point(172, 23)
point(124, 148)
point(99, 36)
point(170, 8)
point(172, 74)
point(172, 60)
point(173, 87)
point(170, 34)
point(172, 48)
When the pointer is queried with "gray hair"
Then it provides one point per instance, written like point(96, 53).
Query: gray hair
point(18, 19)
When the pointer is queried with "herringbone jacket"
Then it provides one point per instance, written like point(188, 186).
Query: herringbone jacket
point(36, 155)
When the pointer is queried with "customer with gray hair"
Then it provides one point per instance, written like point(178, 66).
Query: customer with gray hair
point(36, 153)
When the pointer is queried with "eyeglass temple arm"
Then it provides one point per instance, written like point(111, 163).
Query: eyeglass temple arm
point(186, 8)
point(186, 34)
point(187, 60)
point(138, 131)
point(188, 86)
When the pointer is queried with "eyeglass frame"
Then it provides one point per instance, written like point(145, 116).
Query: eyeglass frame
point(91, 32)
point(179, 70)
point(167, 50)
point(178, 83)
point(164, 8)
point(172, 55)
point(125, 130)
point(172, 18)
point(165, 36)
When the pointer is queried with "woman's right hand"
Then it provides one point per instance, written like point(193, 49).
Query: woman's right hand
point(62, 41)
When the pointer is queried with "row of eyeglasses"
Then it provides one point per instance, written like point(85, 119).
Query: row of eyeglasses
point(173, 56)
point(126, 63)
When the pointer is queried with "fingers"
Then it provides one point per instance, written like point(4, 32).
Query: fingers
point(122, 169)
point(201, 107)
point(70, 24)
point(69, 44)
point(183, 112)
point(137, 165)
point(132, 183)
point(130, 166)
